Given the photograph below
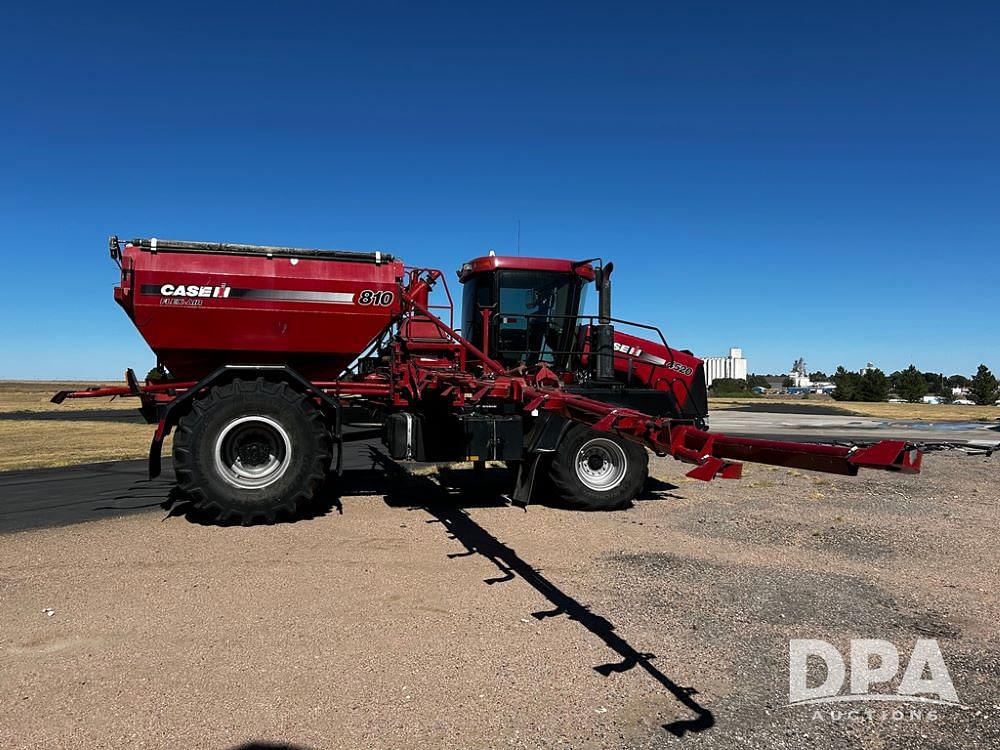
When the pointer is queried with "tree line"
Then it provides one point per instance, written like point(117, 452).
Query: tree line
point(738, 387)
point(874, 385)
point(912, 385)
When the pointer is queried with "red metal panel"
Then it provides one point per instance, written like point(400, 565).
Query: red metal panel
point(493, 262)
point(198, 311)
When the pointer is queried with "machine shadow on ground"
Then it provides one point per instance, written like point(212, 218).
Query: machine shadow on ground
point(464, 488)
point(327, 500)
point(441, 505)
point(124, 416)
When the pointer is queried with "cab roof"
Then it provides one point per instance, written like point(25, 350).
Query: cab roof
point(519, 263)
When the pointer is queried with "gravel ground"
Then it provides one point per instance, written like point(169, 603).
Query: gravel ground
point(460, 622)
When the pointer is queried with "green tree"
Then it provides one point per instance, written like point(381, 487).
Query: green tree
point(787, 382)
point(818, 376)
point(758, 381)
point(957, 381)
point(848, 385)
point(874, 386)
point(984, 388)
point(729, 387)
point(935, 382)
point(911, 384)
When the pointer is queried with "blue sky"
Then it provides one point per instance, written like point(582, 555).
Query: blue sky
point(796, 179)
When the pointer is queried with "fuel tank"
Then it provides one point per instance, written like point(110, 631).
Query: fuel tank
point(203, 305)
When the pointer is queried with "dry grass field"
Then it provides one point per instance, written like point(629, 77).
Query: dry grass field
point(925, 412)
point(35, 432)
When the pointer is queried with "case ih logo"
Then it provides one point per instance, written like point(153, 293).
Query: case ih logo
point(632, 351)
point(194, 290)
point(195, 294)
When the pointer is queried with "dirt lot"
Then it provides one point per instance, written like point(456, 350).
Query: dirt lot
point(423, 618)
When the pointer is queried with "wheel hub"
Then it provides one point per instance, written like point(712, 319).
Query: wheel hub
point(601, 464)
point(252, 452)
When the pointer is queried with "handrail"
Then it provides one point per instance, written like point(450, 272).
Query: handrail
point(623, 321)
point(154, 245)
point(590, 319)
point(442, 277)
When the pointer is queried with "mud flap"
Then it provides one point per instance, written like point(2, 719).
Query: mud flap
point(525, 485)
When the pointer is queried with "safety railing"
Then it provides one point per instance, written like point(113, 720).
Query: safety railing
point(578, 350)
point(591, 320)
point(450, 307)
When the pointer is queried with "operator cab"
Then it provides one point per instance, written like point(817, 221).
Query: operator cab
point(524, 310)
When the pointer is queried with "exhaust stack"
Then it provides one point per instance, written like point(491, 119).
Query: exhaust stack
point(603, 334)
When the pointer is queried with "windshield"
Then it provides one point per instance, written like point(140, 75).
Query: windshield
point(536, 320)
point(532, 314)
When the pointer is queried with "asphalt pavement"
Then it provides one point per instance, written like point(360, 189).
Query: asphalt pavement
point(839, 428)
point(36, 498)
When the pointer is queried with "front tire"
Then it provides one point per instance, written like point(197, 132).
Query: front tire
point(251, 451)
point(598, 470)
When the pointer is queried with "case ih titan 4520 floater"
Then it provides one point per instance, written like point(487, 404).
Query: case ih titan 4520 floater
point(266, 347)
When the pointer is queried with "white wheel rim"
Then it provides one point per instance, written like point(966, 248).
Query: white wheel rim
point(601, 464)
point(252, 452)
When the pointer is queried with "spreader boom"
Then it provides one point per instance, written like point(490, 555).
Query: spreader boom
point(715, 454)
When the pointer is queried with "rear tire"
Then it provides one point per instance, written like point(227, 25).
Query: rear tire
point(251, 451)
point(597, 470)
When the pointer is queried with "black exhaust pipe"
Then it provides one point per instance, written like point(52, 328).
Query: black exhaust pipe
point(603, 335)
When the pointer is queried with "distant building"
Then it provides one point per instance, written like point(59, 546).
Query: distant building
point(870, 367)
point(824, 386)
point(819, 388)
point(799, 374)
point(734, 366)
